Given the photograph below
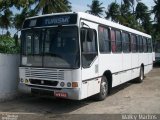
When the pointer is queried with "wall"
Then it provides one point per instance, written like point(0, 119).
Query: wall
point(8, 76)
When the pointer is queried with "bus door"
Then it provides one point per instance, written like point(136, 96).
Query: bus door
point(90, 62)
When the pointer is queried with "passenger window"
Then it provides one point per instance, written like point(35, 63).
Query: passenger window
point(118, 42)
point(134, 43)
point(149, 43)
point(145, 47)
point(126, 42)
point(137, 43)
point(104, 40)
point(113, 41)
point(140, 44)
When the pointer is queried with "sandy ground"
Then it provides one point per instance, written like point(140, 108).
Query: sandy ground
point(129, 98)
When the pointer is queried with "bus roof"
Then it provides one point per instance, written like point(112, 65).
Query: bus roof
point(98, 20)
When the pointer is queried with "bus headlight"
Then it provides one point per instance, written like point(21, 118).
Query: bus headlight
point(62, 84)
point(69, 84)
point(26, 81)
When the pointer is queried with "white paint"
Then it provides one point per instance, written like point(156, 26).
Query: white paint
point(123, 66)
point(8, 76)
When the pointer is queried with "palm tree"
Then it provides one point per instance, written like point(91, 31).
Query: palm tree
point(156, 11)
point(131, 3)
point(5, 20)
point(68, 4)
point(52, 6)
point(141, 11)
point(124, 13)
point(26, 11)
point(96, 8)
point(143, 16)
point(113, 12)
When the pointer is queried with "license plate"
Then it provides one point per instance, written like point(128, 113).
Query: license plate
point(61, 94)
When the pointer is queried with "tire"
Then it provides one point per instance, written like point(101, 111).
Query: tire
point(103, 90)
point(141, 75)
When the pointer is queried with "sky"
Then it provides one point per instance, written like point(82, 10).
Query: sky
point(81, 5)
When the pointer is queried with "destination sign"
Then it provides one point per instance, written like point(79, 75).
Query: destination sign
point(51, 21)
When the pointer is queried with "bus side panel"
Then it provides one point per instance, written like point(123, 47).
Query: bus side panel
point(113, 63)
point(141, 60)
point(135, 65)
point(127, 58)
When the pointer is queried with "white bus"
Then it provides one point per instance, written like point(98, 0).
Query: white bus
point(157, 52)
point(78, 55)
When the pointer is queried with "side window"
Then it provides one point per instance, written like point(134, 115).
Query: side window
point(149, 44)
point(133, 43)
point(140, 44)
point(88, 46)
point(126, 42)
point(137, 43)
point(113, 40)
point(118, 41)
point(145, 49)
point(104, 39)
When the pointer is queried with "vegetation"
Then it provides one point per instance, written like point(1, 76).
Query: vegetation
point(136, 16)
point(7, 45)
point(95, 8)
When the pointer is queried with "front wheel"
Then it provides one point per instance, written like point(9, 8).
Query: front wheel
point(103, 89)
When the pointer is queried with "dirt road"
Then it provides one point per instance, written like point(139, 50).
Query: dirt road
point(129, 98)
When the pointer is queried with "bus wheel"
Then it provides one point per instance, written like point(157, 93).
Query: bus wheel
point(141, 75)
point(103, 89)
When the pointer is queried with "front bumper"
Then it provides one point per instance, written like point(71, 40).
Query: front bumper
point(72, 93)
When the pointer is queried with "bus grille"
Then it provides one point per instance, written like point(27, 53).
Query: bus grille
point(44, 74)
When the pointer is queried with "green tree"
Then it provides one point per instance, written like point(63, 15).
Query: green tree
point(124, 13)
point(95, 8)
point(141, 11)
point(143, 16)
point(5, 19)
point(52, 6)
point(113, 12)
point(156, 26)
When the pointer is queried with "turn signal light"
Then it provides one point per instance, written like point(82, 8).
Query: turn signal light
point(74, 84)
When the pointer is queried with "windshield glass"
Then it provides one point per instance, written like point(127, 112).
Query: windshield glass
point(52, 47)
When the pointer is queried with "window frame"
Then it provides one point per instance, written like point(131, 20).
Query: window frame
point(135, 43)
point(109, 39)
point(116, 40)
point(96, 48)
point(129, 42)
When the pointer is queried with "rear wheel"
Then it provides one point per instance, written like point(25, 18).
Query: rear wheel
point(103, 89)
point(141, 75)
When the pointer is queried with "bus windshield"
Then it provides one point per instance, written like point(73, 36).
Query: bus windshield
point(51, 47)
